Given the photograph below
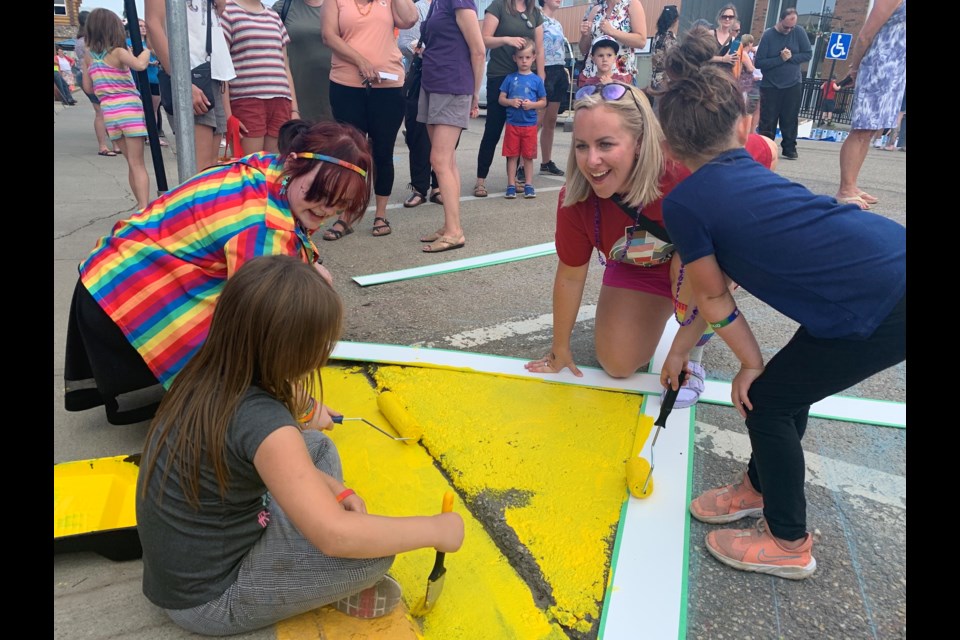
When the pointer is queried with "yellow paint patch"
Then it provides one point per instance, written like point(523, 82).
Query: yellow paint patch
point(329, 624)
point(483, 596)
point(555, 454)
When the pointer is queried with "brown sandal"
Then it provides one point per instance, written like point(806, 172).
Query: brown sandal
point(436, 197)
point(444, 243)
point(382, 229)
point(433, 237)
point(335, 234)
point(480, 191)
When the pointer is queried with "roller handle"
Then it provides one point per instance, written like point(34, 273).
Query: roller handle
point(669, 398)
point(438, 569)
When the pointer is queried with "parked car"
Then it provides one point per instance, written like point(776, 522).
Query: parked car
point(569, 61)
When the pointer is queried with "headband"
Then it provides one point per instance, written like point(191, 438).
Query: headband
point(331, 160)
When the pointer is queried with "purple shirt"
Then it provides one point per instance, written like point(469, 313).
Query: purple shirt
point(446, 57)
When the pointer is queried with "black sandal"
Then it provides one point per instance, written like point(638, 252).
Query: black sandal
point(335, 234)
point(415, 200)
point(378, 228)
point(435, 197)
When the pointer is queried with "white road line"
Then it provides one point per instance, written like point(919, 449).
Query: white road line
point(483, 335)
point(863, 482)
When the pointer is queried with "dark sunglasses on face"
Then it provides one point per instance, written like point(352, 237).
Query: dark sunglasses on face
point(611, 92)
point(727, 17)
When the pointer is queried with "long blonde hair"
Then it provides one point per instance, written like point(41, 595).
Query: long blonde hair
point(638, 119)
point(274, 326)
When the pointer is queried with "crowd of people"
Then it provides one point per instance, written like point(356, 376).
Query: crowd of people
point(217, 340)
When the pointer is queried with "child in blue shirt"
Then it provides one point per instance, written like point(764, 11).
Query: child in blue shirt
point(837, 271)
point(522, 93)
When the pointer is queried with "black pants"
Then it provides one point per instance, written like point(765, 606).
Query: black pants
point(378, 113)
point(103, 368)
point(781, 106)
point(492, 127)
point(806, 371)
point(422, 178)
point(65, 96)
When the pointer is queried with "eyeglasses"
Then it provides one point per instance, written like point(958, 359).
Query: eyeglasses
point(728, 17)
point(529, 24)
point(611, 92)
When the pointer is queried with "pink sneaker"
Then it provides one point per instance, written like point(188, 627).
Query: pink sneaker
point(729, 503)
point(758, 551)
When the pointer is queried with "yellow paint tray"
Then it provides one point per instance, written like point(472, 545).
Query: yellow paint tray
point(94, 507)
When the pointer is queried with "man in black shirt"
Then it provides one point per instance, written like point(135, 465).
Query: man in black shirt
point(783, 48)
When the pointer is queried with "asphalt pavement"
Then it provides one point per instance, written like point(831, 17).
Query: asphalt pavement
point(856, 480)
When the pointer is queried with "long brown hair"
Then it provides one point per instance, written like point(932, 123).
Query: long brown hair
point(104, 31)
point(274, 327)
point(334, 185)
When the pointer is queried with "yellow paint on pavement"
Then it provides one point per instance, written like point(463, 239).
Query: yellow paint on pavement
point(554, 454)
point(329, 624)
point(483, 596)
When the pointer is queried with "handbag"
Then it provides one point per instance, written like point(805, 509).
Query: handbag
point(201, 75)
point(411, 83)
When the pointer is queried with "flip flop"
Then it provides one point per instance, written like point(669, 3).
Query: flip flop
point(382, 229)
point(444, 243)
point(333, 233)
point(109, 154)
point(869, 199)
point(857, 200)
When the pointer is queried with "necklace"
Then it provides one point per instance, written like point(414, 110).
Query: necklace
point(596, 234)
point(361, 11)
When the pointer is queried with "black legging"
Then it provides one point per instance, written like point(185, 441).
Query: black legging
point(492, 128)
point(422, 176)
point(378, 113)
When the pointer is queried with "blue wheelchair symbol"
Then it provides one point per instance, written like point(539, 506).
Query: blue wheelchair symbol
point(838, 47)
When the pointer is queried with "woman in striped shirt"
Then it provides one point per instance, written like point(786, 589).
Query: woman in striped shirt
point(262, 95)
point(146, 293)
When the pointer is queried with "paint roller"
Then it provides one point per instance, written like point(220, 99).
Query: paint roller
point(639, 471)
point(398, 416)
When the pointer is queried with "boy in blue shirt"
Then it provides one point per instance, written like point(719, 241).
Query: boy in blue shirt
point(522, 93)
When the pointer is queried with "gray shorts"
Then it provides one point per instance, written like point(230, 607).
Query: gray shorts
point(444, 108)
point(215, 118)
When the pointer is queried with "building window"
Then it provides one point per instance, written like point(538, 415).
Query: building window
point(60, 8)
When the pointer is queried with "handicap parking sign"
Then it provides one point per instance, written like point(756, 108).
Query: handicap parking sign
point(838, 47)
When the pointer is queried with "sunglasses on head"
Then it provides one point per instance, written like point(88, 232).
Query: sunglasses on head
point(610, 92)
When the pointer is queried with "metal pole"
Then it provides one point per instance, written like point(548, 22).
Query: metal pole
point(143, 83)
point(181, 84)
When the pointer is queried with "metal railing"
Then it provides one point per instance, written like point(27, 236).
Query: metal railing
point(811, 99)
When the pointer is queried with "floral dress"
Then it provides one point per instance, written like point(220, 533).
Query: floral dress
point(661, 45)
point(882, 80)
point(619, 17)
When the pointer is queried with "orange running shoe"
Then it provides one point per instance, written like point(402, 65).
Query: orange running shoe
point(729, 503)
point(757, 550)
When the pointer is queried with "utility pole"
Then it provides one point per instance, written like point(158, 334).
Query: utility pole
point(180, 82)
